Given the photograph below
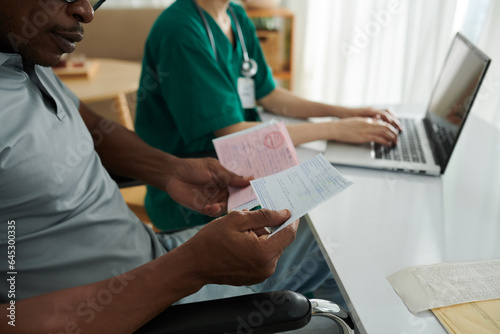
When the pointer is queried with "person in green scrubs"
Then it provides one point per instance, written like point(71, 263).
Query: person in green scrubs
point(189, 95)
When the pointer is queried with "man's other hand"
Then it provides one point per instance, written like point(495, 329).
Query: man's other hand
point(229, 250)
point(201, 185)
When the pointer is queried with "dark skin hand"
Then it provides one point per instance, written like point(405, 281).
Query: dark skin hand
point(255, 256)
point(201, 184)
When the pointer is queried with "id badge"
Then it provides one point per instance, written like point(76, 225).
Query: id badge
point(246, 91)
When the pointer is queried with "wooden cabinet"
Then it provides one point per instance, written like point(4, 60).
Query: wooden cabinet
point(275, 32)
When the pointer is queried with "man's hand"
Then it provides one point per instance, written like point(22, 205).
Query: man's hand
point(229, 250)
point(201, 184)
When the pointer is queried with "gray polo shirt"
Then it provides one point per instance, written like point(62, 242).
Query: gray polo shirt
point(72, 226)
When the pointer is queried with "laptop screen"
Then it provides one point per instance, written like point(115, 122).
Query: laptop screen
point(453, 96)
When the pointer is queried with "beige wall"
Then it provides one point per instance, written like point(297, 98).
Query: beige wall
point(119, 34)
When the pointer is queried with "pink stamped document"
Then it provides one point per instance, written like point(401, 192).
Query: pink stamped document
point(260, 151)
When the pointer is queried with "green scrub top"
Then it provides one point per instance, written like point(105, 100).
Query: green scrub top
point(185, 94)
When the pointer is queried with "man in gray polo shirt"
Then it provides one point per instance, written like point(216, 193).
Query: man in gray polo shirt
point(74, 254)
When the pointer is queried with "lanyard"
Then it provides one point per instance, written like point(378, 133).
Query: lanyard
point(249, 66)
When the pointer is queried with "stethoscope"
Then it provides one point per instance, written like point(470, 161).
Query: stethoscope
point(249, 67)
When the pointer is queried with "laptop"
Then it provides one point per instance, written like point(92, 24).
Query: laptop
point(426, 144)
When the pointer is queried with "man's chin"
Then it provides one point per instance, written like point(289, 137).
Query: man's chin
point(47, 59)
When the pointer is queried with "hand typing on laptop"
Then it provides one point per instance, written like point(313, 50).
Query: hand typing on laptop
point(360, 130)
point(352, 125)
point(384, 114)
point(426, 145)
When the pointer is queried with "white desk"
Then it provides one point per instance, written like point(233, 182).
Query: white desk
point(388, 221)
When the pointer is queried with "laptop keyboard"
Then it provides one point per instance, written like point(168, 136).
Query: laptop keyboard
point(408, 148)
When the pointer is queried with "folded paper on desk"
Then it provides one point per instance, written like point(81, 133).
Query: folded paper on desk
point(475, 317)
point(259, 151)
point(300, 188)
point(432, 286)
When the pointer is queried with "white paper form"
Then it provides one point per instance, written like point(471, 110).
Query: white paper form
point(430, 286)
point(300, 188)
point(259, 151)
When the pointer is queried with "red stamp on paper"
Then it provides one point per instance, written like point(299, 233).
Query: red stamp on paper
point(274, 140)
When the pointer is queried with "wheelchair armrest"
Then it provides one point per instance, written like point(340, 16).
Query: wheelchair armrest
point(261, 313)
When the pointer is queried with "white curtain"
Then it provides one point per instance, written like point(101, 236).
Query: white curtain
point(487, 104)
point(359, 52)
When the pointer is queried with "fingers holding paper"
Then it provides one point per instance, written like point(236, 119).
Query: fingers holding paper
point(201, 185)
point(238, 255)
point(265, 230)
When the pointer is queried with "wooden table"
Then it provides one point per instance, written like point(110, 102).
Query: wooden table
point(113, 80)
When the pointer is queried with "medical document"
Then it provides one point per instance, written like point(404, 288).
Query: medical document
point(431, 286)
point(300, 188)
point(259, 151)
